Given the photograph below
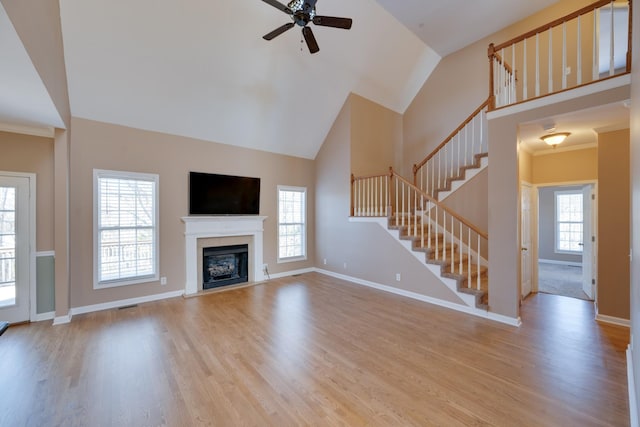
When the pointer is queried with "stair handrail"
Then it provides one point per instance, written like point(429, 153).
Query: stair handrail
point(493, 53)
point(442, 146)
point(440, 205)
point(384, 198)
point(451, 240)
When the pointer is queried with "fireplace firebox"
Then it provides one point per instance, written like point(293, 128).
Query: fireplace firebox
point(224, 265)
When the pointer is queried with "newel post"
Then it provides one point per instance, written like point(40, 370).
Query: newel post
point(492, 98)
point(415, 174)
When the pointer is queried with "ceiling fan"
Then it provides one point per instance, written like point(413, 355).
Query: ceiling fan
point(302, 12)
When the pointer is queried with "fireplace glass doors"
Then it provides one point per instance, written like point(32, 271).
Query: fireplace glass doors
point(224, 265)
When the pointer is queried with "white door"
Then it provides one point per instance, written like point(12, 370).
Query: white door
point(14, 249)
point(588, 241)
point(525, 240)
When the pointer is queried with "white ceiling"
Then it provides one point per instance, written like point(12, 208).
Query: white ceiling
point(583, 126)
point(200, 68)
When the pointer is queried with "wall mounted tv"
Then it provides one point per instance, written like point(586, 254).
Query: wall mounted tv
point(214, 194)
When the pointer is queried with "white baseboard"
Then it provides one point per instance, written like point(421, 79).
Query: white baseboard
point(45, 253)
point(41, 317)
point(291, 273)
point(553, 261)
point(613, 320)
point(424, 298)
point(124, 302)
point(633, 402)
point(61, 320)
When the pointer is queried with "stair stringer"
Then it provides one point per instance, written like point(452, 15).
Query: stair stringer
point(469, 174)
point(451, 284)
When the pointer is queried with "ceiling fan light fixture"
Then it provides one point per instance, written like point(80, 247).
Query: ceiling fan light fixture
point(554, 139)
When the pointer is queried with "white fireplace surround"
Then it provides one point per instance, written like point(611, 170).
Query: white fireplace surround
point(203, 227)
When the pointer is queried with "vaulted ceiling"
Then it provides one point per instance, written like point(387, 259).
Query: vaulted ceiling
point(201, 69)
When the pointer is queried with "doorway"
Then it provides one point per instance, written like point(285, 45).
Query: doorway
point(17, 245)
point(566, 261)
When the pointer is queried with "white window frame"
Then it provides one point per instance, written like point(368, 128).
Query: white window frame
point(302, 257)
point(154, 178)
point(556, 222)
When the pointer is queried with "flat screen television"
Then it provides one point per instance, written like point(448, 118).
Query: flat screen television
point(214, 194)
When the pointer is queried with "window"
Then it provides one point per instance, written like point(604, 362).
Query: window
point(568, 221)
point(292, 227)
point(125, 228)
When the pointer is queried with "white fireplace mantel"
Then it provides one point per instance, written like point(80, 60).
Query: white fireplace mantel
point(202, 227)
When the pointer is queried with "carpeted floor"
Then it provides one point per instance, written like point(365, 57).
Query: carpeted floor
point(565, 280)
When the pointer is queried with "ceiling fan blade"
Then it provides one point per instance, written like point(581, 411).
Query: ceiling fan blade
point(332, 21)
point(275, 33)
point(279, 6)
point(310, 39)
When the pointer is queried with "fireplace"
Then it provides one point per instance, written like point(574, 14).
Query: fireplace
point(211, 231)
point(224, 265)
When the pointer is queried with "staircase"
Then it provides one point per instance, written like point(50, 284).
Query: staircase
point(412, 212)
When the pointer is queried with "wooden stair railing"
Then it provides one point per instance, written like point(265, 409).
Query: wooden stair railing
point(461, 150)
point(534, 56)
point(447, 238)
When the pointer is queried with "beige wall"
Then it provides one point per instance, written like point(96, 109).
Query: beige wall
point(504, 245)
point(33, 154)
point(103, 146)
point(38, 24)
point(565, 166)
point(459, 84)
point(376, 137)
point(470, 200)
point(613, 224)
point(369, 252)
point(525, 166)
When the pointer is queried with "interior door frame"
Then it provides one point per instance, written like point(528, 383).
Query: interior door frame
point(31, 238)
point(536, 231)
point(533, 203)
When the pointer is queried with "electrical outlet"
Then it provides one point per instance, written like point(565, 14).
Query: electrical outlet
point(163, 281)
point(345, 265)
point(324, 261)
point(567, 71)
point(398, 277)
point(265, 268)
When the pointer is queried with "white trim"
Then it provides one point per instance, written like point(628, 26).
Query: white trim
point(47, 132)
point(61, 320)
point(121, 303)
point(413, 295)
point(40, 317)
point(610, 320)
point(469, 174)
point(566, 95)
point(291, 273)
point(45, 253)
point(553, 261)
point(631, 383)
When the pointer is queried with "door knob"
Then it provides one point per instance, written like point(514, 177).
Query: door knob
point(525, 249)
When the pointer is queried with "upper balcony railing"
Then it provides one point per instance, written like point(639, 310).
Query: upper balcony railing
point(586, 46)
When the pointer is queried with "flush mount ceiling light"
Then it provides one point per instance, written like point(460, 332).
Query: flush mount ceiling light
point(554, 139)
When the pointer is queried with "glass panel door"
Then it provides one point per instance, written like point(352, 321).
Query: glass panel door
point(7, 246)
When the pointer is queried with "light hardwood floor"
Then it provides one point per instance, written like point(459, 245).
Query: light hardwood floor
point(314, 350)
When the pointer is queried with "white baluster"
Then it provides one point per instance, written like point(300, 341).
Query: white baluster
point(479, 286)
point(453, 259)
point(579, 52)
point(596, 49)
point(537, 64)
point(403, 210)
point(460, 263)
point(613, 44)
point(387, 199)
point(550, 61)
point(444, 235)
point(525, 90)
point(512, 82)
point(397, 206)
point(469, 260)
point(437, 237)
point(564, 55)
